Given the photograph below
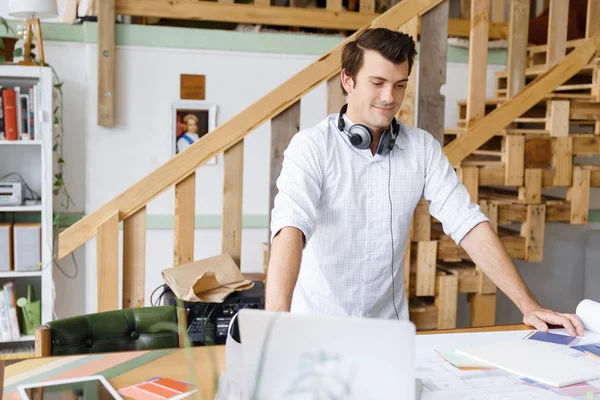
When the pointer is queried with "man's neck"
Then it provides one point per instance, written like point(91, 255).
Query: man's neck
point(375, 131)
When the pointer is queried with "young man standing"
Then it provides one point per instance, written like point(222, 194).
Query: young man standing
point(347, 192)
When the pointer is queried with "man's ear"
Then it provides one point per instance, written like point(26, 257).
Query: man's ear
point(347, 81)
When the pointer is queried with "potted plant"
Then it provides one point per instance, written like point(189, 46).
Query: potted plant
point(7, 42)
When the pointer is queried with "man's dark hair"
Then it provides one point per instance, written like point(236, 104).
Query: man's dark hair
point(395, 46)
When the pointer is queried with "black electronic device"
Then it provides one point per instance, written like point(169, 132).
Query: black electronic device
point(208, 322)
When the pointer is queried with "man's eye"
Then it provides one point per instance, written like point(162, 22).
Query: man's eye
point(377, 83)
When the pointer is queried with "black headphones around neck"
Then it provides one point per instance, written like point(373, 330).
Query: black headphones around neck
point(361, 137)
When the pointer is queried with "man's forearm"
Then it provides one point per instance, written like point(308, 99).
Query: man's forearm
point(487, 251)
point(283, 269)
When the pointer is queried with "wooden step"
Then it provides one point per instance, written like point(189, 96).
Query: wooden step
point(584, 85)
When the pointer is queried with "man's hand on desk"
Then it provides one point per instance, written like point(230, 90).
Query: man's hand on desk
point(539, 318)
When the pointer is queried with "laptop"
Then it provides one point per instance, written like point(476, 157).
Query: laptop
point(299, 356)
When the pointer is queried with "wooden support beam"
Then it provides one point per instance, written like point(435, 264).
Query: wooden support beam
point(490, 209)
point(406, 114)
point(107, 264)
point(185, 216)
point(283, 128)
point(465, 9)
point(497, 13)
point(557, 31)
point(557, 117)
point(134, 260)
point(232, 130)
point(562, 160)
point(106, 62)
point(514, 159)
point(507, 112)
point(484, 284)
point(447, 301)
point(421, 222)
point(334, 5)
point(531, 193)
point(233, 185)
point(478, 54)
point(469, 176)
point(432, 70)
point(592, 23)
point(579, 195)
point(517, 46)
point(533, 232)
point(425, 268)
point(367, 6)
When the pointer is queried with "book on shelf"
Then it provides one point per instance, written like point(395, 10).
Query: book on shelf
point(9, 321)
point(18, 112)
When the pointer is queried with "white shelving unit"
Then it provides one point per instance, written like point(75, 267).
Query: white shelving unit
point(33, 160)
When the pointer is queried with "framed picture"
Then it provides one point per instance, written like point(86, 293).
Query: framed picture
point(190, 121)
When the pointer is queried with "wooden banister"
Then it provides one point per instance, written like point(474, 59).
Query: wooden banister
point(482, 130)
point(134, 259)
point(232, 201)
point(107, 255)
point(227, 135)
point(185, 214)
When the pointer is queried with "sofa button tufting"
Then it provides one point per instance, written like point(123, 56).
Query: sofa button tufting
point(88, 342)
point(134, 335)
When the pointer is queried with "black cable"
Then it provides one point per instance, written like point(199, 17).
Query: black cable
point(392, 230)
point(152, 295)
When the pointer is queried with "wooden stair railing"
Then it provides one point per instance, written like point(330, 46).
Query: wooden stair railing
point(281, 106)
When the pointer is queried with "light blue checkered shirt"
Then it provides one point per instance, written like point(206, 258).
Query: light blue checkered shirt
point(337, 195)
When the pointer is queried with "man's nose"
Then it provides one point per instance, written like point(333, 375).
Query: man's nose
point(386, 95)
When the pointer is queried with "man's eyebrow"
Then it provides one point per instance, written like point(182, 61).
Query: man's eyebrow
point(383, 79)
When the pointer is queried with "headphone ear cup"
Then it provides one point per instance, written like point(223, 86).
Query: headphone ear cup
point(360, 136)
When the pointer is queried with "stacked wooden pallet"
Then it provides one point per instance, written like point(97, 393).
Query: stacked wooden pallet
point(508, 177)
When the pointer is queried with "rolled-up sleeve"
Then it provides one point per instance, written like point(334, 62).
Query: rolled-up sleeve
point(448, 199)
point(299, 187)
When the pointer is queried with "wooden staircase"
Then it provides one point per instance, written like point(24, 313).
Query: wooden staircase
point(506, 150)
point(507, 174)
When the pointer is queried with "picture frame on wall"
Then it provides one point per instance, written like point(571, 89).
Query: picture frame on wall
point(190, 120)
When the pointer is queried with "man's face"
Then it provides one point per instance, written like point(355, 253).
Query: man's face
point(375, 94)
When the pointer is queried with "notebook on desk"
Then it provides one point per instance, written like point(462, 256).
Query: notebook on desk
point(289, 354)
point(549, 361)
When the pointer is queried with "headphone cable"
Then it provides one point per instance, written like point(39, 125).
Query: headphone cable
point(392, 230)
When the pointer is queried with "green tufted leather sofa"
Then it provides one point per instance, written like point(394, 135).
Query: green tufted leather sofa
point(144, 328)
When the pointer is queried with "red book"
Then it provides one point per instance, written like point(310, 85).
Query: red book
point(9, 99)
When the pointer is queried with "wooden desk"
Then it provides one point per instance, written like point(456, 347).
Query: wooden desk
point(200, 365)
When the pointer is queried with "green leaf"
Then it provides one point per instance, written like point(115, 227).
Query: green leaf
point(55, 147)
point(1, 43)
point(2, 58)
point(58, 85)
point(61, 161)
point(18, 52)
point(55, 191)
point(55, 110)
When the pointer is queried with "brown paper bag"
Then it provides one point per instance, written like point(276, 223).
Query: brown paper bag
point(209, 280)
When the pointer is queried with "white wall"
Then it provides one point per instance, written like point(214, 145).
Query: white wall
point(102, 162)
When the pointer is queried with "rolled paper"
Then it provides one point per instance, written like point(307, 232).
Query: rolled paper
point(588, 312)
